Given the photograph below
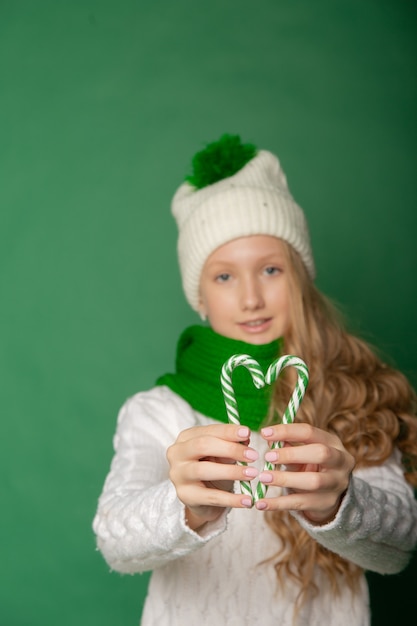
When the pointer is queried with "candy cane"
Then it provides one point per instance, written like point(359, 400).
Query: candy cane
point(259, 381)
point(273, 373)
point(230, 398)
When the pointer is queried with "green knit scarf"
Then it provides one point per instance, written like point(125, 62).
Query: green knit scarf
point(201, 354)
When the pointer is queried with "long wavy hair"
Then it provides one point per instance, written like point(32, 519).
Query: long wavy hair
point(369, 405)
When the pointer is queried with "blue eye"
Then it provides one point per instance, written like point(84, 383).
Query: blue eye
point(222, 278)
point(271, 271)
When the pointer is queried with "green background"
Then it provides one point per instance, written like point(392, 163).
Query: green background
point(102, 105)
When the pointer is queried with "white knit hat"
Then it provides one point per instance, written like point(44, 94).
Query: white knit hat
point(253, 201)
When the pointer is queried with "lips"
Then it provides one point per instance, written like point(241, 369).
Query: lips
point(257, 325)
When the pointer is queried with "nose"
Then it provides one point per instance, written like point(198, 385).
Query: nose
point(251, 298)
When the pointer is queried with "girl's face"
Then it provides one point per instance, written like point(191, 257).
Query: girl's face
point(244, 289)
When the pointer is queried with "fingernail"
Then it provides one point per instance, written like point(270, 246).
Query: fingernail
point(261, 506)
point(272, 456)
point(267, 432)
point(250, 472)
point(243, 432)
point(265, 477)
point(247, 502)
point(250, 454)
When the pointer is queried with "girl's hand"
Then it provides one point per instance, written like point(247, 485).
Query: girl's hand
point(317, 473)
point(203, 467)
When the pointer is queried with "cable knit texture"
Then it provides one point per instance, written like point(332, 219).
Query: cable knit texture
point(217, 576)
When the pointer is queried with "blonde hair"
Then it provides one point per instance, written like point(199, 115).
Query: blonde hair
point(352, 393)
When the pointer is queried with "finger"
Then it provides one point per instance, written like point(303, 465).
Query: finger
point(209, 446)
point(195, 496)
point(205, 471)
point(299, 433)
point(303, 481)
point(318, 502)
point(309, 454)
point(228, 432)
point(210, 474)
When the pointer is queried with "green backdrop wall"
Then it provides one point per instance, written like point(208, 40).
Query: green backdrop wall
point(102, 105)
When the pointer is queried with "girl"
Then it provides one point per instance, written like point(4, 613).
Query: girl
point(340, 499)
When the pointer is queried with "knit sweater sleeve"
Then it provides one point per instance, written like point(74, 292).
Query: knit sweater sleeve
point(376, 526)
point(140, 523)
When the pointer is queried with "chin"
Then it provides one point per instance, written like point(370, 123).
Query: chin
point(259, 340)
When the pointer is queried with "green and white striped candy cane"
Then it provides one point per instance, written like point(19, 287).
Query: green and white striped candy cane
point(273, 373)
point(259, 381)
point(230, 399)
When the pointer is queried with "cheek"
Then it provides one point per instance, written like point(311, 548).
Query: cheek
point(282, 304)
point(217, 309)
point(207, 302)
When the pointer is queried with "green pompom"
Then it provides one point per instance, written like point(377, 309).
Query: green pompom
point(219, 160)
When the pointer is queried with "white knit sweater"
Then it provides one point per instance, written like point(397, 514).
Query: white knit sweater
point(218, 576)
